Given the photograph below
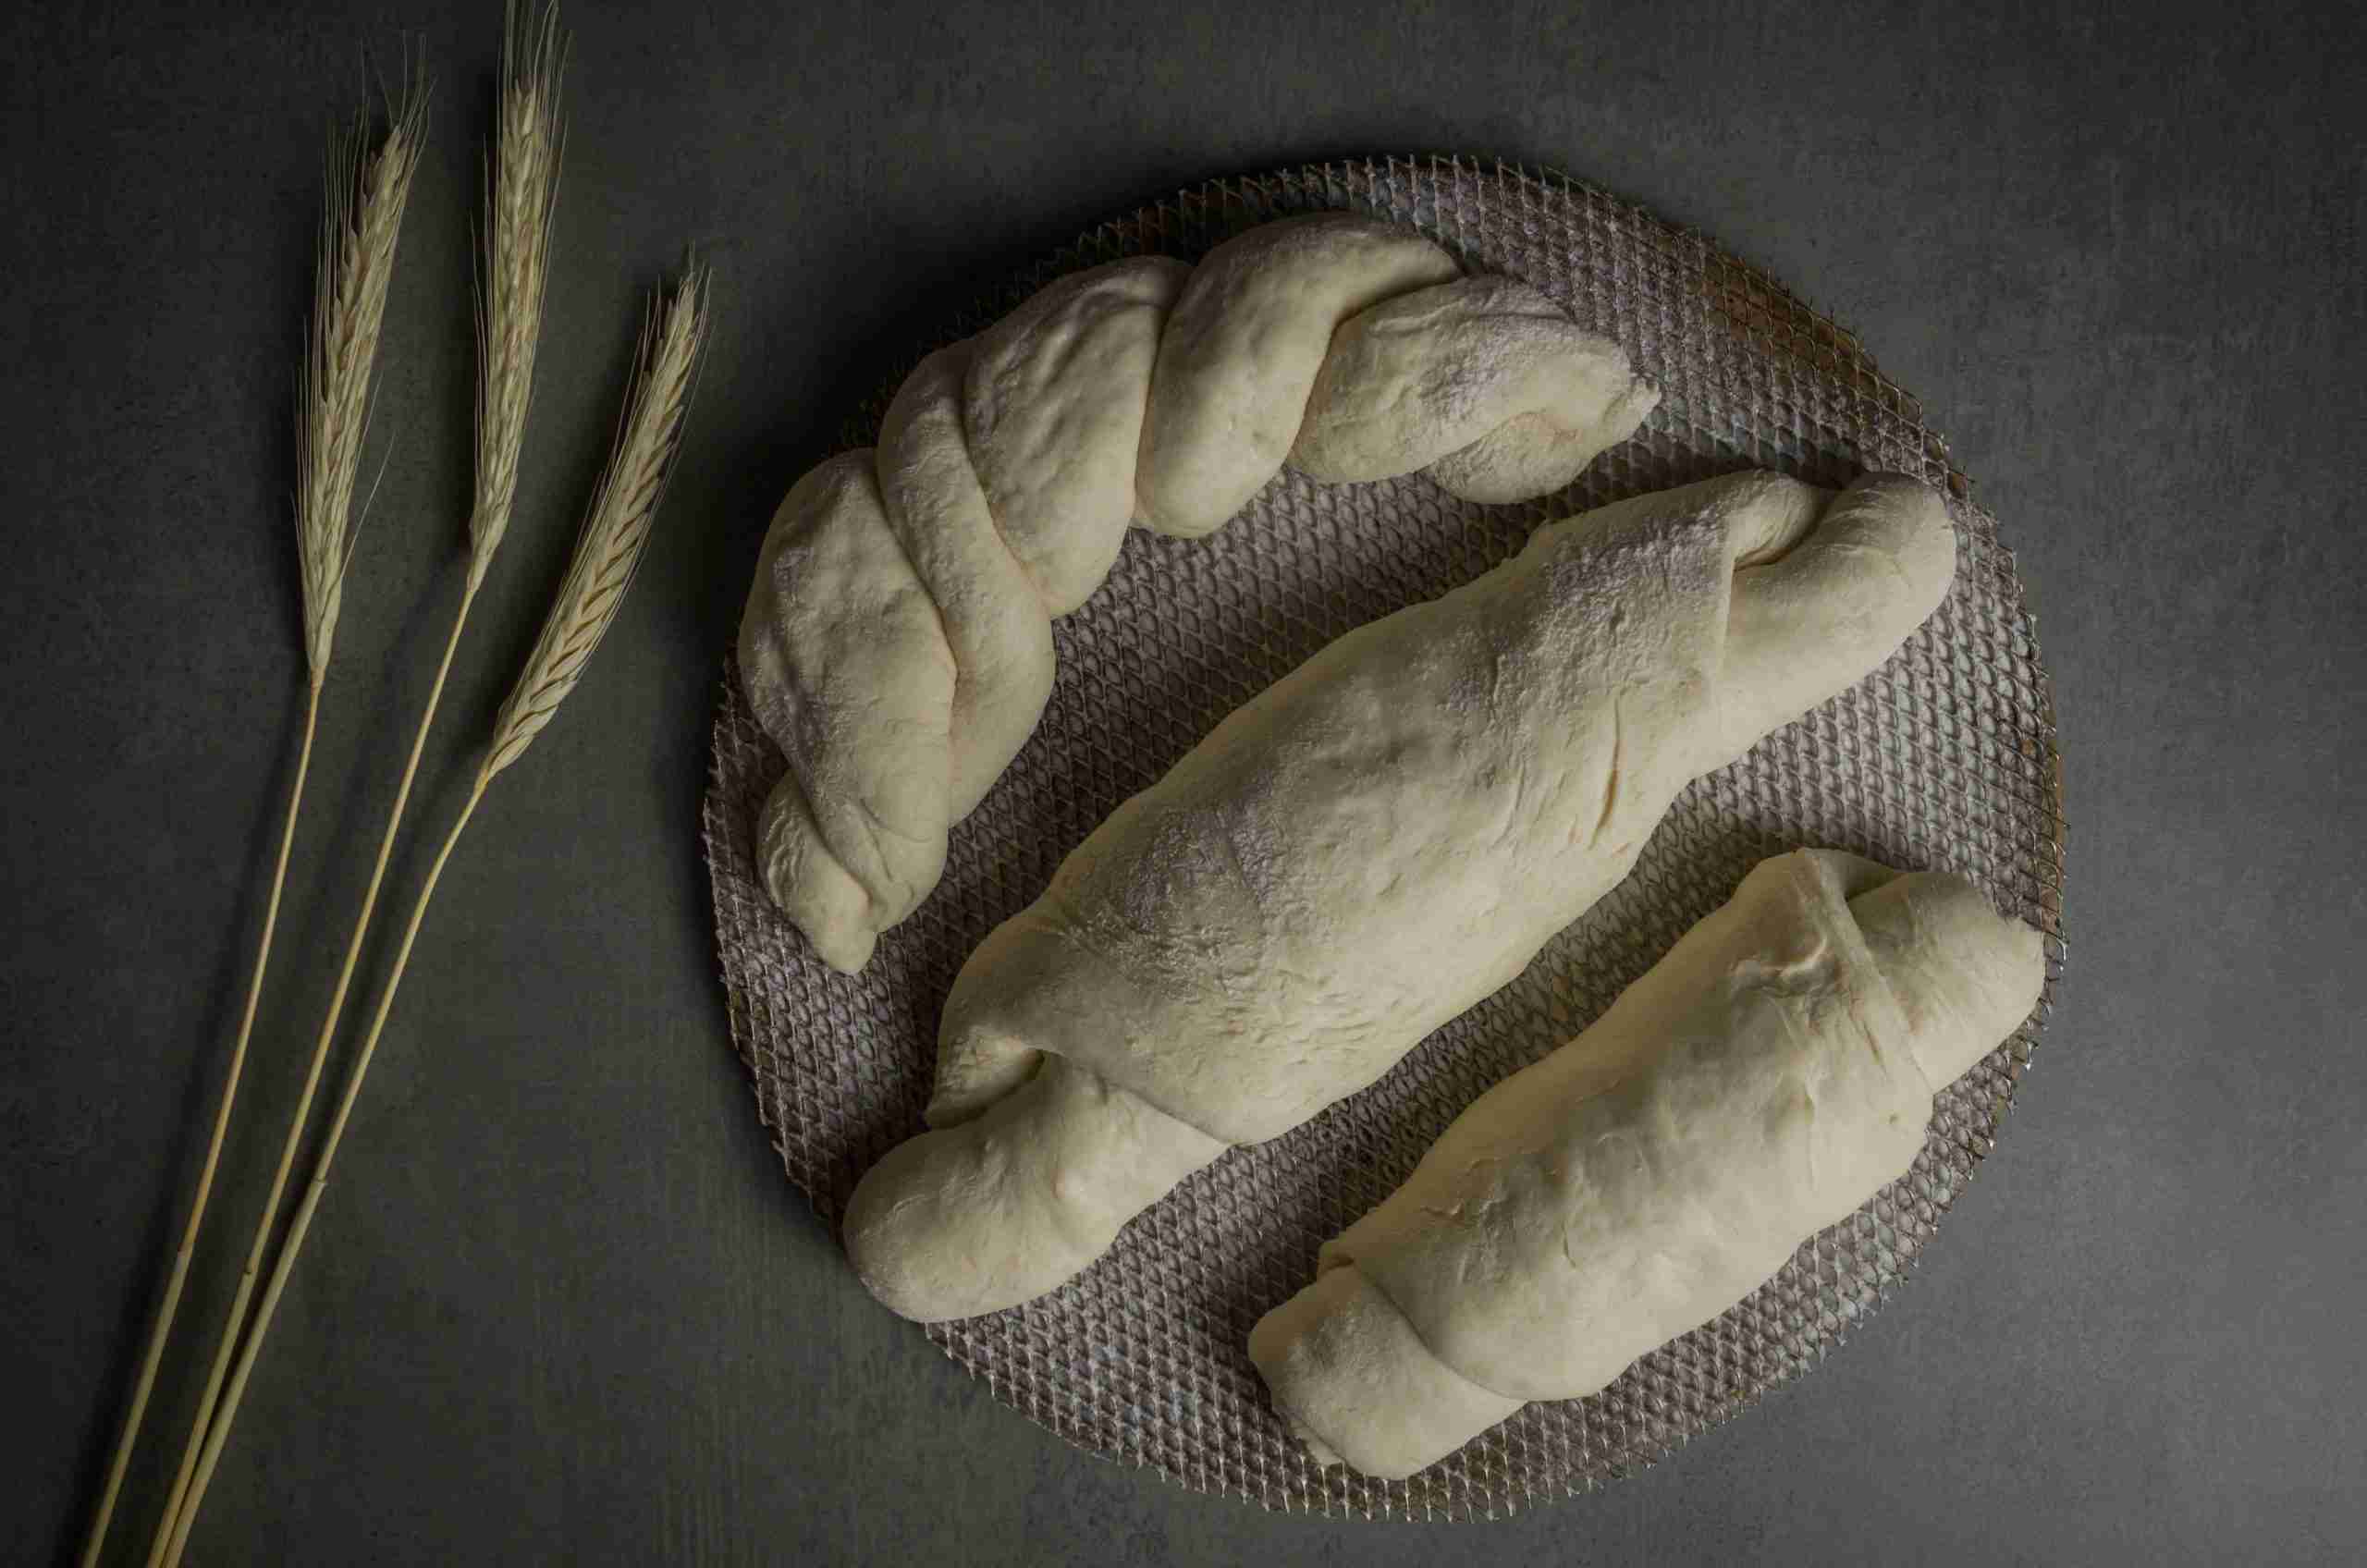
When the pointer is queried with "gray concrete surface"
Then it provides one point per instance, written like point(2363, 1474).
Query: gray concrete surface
point(563, 1306)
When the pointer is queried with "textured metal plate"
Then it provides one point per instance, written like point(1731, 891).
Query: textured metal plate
point(1944, 758)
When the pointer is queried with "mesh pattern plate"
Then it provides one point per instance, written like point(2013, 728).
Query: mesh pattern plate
point(1944, 758)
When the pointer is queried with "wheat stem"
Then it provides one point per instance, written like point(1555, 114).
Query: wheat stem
point(356, 264)
point(220, 1432)
point(615, 531)
point(362, 223)
point(162, 1329)
point(184, 1482)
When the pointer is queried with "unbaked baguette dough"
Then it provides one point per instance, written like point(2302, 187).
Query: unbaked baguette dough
point(1362, 852)
point(1767, 1077)
point(897, 643)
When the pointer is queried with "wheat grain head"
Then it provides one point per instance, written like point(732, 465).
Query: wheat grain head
point(366, 196)
point(616, 527)
point(522, 192)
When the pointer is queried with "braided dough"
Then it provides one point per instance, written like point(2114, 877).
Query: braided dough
point(1365, 850)
point(1769, 1075)
point(897, 643)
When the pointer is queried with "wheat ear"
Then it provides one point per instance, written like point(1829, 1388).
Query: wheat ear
point(357, 260)
point(610, 549)
point(362, 222)
point(522, 188)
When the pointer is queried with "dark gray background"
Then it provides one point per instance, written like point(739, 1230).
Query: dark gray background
point(563, 1304)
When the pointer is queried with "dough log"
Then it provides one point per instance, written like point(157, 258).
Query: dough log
point(1382, 838)
point(896, 642)
point(1767, 1077)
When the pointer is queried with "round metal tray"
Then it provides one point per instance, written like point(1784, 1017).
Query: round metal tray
point(1944, 758)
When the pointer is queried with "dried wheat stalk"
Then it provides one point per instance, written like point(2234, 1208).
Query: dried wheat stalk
point(521, 190)
point(363, 221)
point(615, 531)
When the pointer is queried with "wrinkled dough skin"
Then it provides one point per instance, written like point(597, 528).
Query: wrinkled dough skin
point(1475, 381)
point(1373, 844)
point(857, 826)
point(1148, 393)
point(1391, 832)
point(1772, 1073)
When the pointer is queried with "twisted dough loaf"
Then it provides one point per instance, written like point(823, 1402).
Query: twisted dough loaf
point(897, 643)
point(1365, 848)
point(1769, 1075)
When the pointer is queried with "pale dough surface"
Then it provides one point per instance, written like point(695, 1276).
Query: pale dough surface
point(1476, 380)
point(1772, 1073)
point(1144, 393)
point(1382, 837)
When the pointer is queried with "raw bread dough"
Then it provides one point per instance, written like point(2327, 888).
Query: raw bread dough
point(1766, 1078)
point(1245, 348)
point(896, 642)
point(1382, 838)
point(1476, 380)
